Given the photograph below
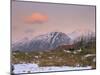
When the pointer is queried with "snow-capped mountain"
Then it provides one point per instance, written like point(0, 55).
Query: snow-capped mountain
point(81, 33)
point(43, 42)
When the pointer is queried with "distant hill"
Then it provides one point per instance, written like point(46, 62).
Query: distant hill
point(81, 33)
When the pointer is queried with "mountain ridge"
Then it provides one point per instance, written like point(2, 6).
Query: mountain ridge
point(43, 42)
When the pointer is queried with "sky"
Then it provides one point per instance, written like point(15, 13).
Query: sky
point(30, 19)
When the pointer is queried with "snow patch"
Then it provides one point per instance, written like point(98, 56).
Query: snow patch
point(31, 68)
point(89, 55)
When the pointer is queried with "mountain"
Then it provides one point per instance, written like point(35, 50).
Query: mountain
point(81, 33)
point(47, 41)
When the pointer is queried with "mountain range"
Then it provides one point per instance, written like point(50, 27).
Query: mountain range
point(50, 40)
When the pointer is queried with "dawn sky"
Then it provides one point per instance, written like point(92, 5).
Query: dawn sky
point(30, 19)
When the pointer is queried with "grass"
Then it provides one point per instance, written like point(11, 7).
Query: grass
point(55, 58)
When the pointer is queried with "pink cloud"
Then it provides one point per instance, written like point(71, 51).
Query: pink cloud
point(36, 17)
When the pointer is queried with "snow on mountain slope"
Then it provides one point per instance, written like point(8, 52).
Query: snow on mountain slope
point(43, 42)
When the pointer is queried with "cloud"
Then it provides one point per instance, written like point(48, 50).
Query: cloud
point(36, 18)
